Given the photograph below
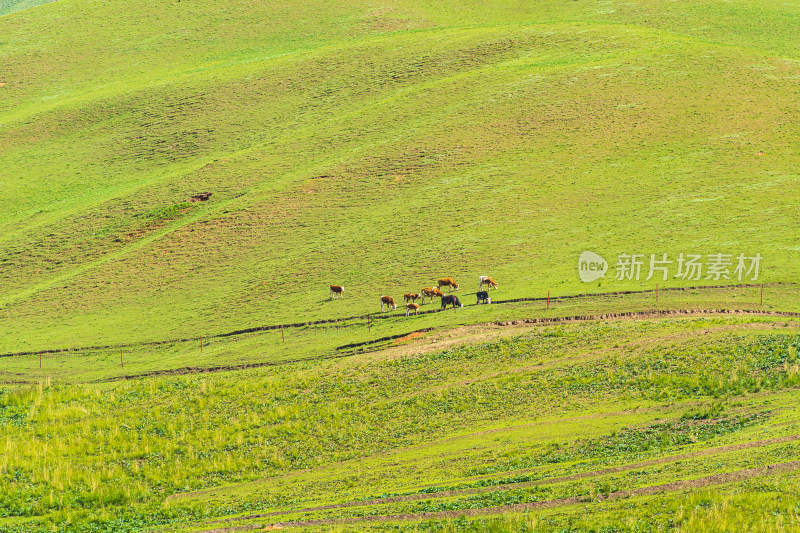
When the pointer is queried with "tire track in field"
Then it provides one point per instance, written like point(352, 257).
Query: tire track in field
point(714, 479)
point(371, 316)
point(525, 484)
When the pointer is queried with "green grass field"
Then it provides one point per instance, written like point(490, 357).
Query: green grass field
point(506, 416)
point(381, 146)
point(376, 148)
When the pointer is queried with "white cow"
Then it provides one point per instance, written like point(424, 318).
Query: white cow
point(486, 280)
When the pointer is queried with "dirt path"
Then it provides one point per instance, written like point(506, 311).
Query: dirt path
point(492, 327)
point(456, 337)
point(273, 327)
point(547, 481)
point(632, 315)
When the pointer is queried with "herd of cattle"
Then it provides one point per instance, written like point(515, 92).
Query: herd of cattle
point(410, 298)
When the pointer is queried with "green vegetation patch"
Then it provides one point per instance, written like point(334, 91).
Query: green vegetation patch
point(159, 437)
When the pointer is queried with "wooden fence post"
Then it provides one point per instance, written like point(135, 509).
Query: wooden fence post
point(548, 299)
point(762, 294)
point(201, 345)
point(121, 363)
point(283, 339)
point(656, 292)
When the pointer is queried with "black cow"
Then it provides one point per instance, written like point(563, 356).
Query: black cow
point(483, 297)
point(450, 300)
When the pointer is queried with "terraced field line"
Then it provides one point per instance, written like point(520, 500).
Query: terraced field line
point(715, 479)
point(607, 316)
point(256, 329)
point(341, 355)
point(546, 481)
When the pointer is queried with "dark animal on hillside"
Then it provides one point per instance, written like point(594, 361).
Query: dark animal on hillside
point(337, 289)
point(202, 197)
point(451, 299)
point(389, 301)
point(431, 292)
point(448, 282)
point(483, 297)
point(412, 307)
point(487, 281)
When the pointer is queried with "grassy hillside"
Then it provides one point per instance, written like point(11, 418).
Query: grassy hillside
point(381, 146)
point(375, 147)
point(568, 414)
point(10, 6)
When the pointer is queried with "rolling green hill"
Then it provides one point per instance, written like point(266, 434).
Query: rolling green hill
point(381, 146)
point(10, 6)
point(681, 423)
point(378, 148)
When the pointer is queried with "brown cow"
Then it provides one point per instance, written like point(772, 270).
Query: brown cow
point(389, 301)
point(337, 289)
point(431, 292)
point(448, 282)
point(412, 307)
point(410, 297)
point(487, 281)
point(202, 197)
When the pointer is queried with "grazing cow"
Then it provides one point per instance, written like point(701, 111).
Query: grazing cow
point(451, 299)
point(431, 292)
point(337, 289)
point(486, 280)
point(410, 297)
point(202, 197)
point(448, 282)
point(483, 297)
point(412, 307)
point(389, 301)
